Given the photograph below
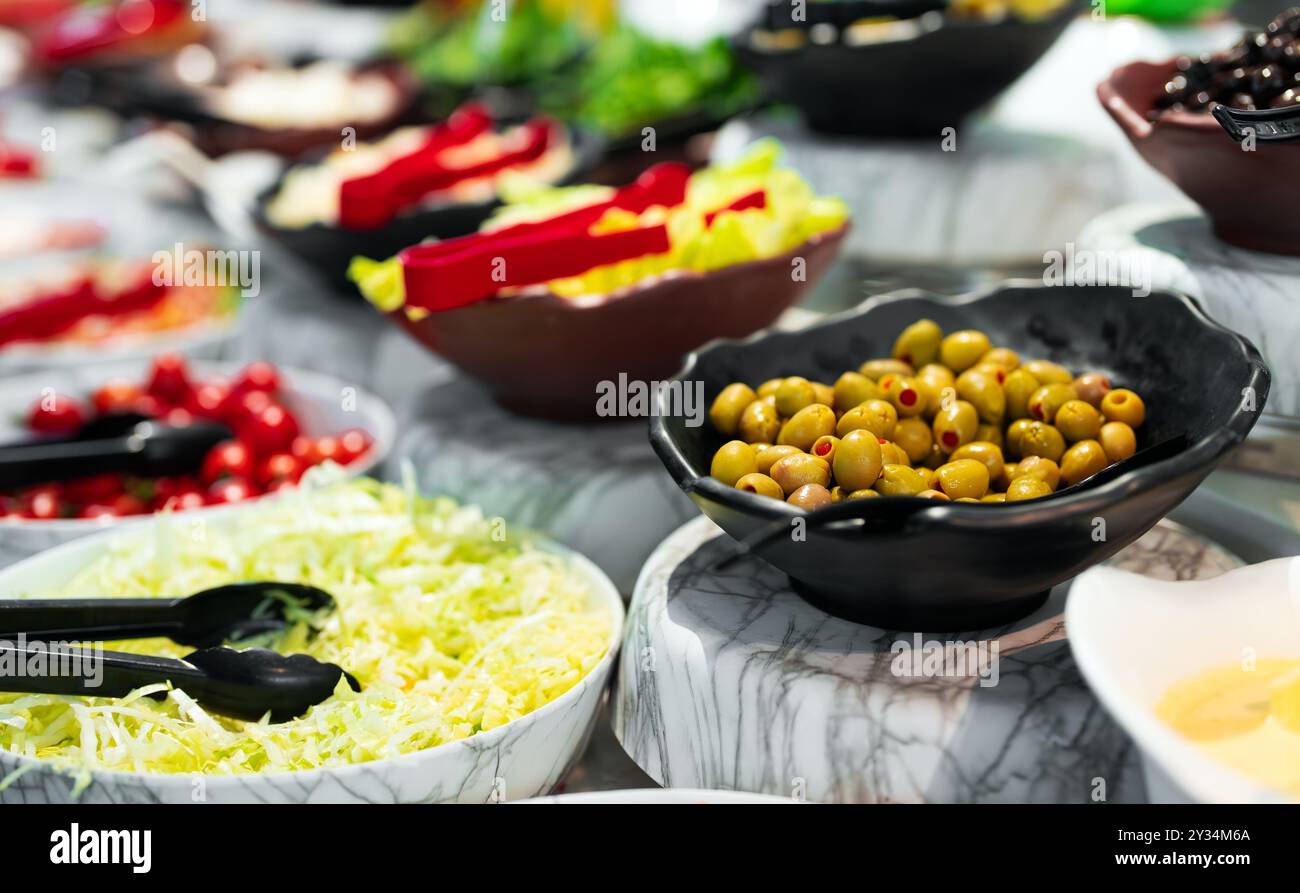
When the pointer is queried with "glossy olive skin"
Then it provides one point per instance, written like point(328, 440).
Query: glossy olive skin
point(1005, 357)
point(1047, 372)
point(806, 425)
point(1082, 461)
point(955, 424)
point(1040, 468)
point(768, 388)
point(1018, 387)
point(1023, 488)
point(1118, 440)
point(964, 477)
point(1044, 402)
point(825, 447)
point(1016, 430)
point(794, 394)
point(961, 350)
point(810, 496)
point(933, 380)
point(906, 397)
point(915, 438)
point(792, 472)
point(934, 494)
point(984, 393)
point(760, 484)
point(768, 456)
point(875, 416)
point(990, 434)
point(899, 480)
point(930, 476)
point(733, 460)
point(989, 454)
point(918, 344)
point(863, 494)
point(825, 393)
point(858, 460)
point(1091, 388)
point(894, 454)
point(875, 369)
point(1041, 439)
point(853, 389)
point(1078, 420)
point(995, 497)
point(727, 407)
point(760, 421)
point(1122, 405)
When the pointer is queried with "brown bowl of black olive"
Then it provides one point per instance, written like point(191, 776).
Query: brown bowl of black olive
point(1248, 190)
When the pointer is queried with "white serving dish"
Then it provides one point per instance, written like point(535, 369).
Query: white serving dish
point(662, 796)
point(523, 758)
point(316, 399)
point(1134, 637)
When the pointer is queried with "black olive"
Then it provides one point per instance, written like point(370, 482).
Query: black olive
point(1243, 101)
point(1267, 81)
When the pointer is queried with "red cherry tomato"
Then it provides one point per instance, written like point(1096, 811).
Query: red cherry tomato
point(118, 395)
point(207, 399)
point(97, 510)
point(102, 488)
point(257, 376)
point(230, 458)
point(324, 449)
point(10, 507)
point(303, 448)
point(169, 379)
point(57, 414)
point(280, 467)
point(353, 443)
point(149, 405)
point(238, 407)
point(184, 501)
point(281, 485)
point(178, 417)
point(129, 504)
point(43, 503)
point(270, 431)
point(231, 489)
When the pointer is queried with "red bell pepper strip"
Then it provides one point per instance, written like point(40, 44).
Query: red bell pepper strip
point(17, 163)
point(50, 314)
point(371, 201)
point(85, 32)
point(757, 199)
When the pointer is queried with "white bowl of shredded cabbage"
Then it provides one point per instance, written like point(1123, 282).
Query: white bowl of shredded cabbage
point(483, 657)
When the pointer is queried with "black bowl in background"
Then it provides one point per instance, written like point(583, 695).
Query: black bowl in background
point(910, 563)
point(904, 88)
point(329, 249)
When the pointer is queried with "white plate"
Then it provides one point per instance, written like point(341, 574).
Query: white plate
point(316, 400)
point(678, 796)
point(1134, 637)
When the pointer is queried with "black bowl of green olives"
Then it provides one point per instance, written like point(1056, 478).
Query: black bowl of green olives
point(1017, 436)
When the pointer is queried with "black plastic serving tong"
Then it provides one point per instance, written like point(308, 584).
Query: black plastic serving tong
point(1268, 125)
point(145, 448)
point(244, 684)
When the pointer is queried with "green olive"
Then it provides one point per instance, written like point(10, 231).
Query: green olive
point(1042, 439)
point(935, 494)
point(792, 472)
point(933, 380)
point(727, 407)
point(1122, 405)
point(1081, 461)
point(990, 434)
point(1044, 402)
point(1118, 440)
point(768, 388)
point(994, 497)
point(1047, 372)
point(875, 416)
point(874, 369)
point(793, 394)
point(914, 437)
point(906, 397)
point(1015, 431)
point(1018, 387)
point(918, 344)
point(1023, 488)
point(863, 494)
point(1092, 387)
point(936, 456)
point(810, 496)
point(806, 425)
point(961, 350)
point(1008, 475)
point(825, 393)
point(759, 422)
point(984, 393)
point(1002, 356)
point(899, 480)
point(825, 447)
point(760, 484)
point(768, 456)
point(1041, 468)
point(858, 460)
point(930, 476)
point(853, 389)
point(894, 454)
point(733, 460)
point(1078, 420)
point(982, 451)
point(955, 424)
point(964, 477)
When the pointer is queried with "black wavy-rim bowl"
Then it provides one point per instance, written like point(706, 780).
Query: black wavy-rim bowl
point(329, 249)
point(910, 563)
point(909, 88)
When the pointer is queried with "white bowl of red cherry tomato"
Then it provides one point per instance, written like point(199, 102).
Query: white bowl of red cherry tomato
point(283, 422)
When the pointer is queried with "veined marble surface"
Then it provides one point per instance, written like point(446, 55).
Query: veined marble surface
point(1250, 292)
point(728, 680)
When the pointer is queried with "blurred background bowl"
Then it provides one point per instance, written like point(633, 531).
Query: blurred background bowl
point(1250, 196)
point(909, 563)
point(544, 355)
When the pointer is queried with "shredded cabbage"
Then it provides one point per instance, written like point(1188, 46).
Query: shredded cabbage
point(450, 629)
